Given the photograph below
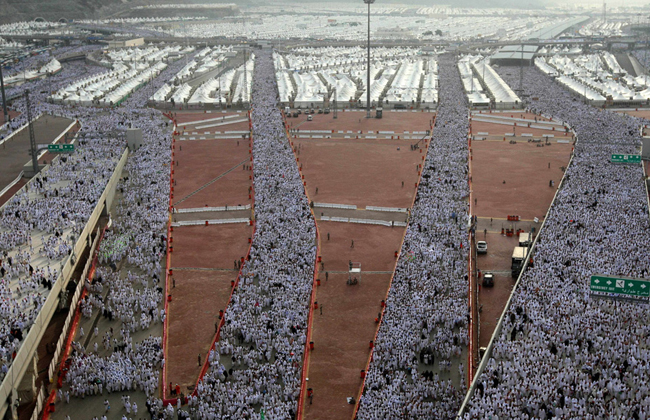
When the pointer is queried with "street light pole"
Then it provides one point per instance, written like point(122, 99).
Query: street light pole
point(368, 2)
point(32, 137)
point(4, 100)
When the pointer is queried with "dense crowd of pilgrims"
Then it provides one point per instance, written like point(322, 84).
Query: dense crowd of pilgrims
point(426, 311)
point(45, 217)
point(257, 363)
point(560, 352)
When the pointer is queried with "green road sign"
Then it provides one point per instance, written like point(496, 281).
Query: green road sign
point(620, 285)
point(626, 159)
point(60, 148)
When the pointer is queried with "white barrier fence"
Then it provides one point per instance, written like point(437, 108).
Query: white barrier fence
point(211, 209)
point(73, 306)
point(523, 120)
point(387, 209)
point(336, 206)
point(40, 400)
point(225, 117)
point(215, 137)
point(198, 127)
point(209, 222)
point(362, 221)
point(533, 125)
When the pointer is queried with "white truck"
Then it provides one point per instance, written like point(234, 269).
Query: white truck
point(525, 239)
point(518, 259)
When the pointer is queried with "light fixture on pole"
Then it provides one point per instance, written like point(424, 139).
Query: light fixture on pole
point(368, 2)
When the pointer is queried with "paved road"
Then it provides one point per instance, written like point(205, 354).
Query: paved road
point(14, 152)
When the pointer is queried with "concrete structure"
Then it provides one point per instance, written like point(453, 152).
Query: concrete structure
point(135, 42)
point(19, 381)
point(513, 55)
point(134, 138)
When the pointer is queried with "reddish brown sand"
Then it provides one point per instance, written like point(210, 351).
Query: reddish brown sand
point(524, 167)
point(199, 162)
point(359, 172)
point(193, 311)
point(526, 193)
point(355, 121)
point(199, 294)
point(207, 253)
point(342, 333)
point(641, 113)
point(215, 246)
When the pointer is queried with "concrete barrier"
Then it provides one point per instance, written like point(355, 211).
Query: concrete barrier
point(336, 206)
point(30, 344)
point(212, 209)
point(209, 222)
point(387, 209)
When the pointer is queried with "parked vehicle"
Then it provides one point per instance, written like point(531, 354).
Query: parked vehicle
point(518, 259)
point(488, 279)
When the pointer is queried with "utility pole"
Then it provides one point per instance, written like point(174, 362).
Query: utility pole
point(368, 2)
point(4, 100)
point(335, 110)
point(521, 72)
point(245, 87)
point(32, 138)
